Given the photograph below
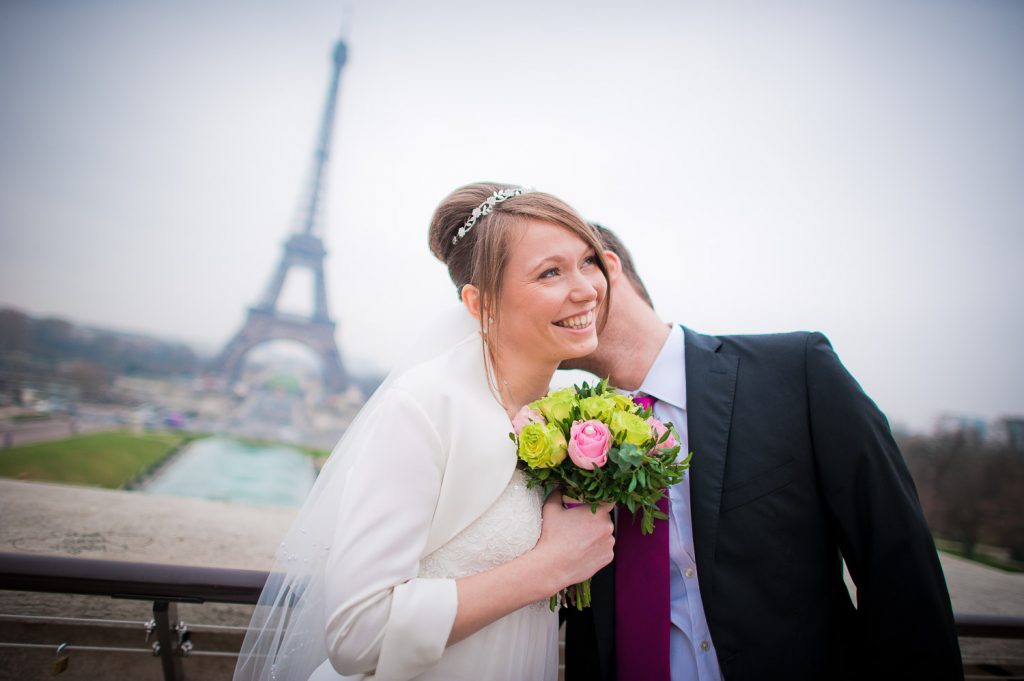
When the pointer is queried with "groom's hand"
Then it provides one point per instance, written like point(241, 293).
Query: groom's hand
point(578, 542)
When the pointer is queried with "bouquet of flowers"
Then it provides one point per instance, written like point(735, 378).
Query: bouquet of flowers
point(598, 445)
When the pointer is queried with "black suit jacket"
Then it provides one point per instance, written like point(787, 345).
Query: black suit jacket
point(794, 469)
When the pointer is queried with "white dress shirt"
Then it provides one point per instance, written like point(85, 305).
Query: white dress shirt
point(692, 653)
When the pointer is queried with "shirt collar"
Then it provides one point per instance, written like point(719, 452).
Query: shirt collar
point(666, 379)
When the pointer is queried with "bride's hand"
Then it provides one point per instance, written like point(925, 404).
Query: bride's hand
point(575, 542)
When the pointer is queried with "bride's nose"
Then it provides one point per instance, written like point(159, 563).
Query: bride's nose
point(583, 288)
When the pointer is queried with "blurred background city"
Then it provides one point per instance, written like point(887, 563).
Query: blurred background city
point(213, 225)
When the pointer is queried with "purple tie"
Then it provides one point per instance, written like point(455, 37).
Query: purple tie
point(642, 608)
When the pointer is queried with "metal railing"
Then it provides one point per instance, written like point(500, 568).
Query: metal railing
point(123, 579)
point(164, 585)
point(168, 585)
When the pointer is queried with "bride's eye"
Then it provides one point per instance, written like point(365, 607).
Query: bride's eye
point(590, 260)
point(547, 274)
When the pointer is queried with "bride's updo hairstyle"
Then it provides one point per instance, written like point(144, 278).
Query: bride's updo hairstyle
point(478, 256)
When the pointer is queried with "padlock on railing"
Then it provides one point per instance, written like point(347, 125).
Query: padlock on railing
point(60, 665)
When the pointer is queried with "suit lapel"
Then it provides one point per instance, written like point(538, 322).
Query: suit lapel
point(710, 389)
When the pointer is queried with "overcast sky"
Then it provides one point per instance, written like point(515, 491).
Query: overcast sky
point(851, 167)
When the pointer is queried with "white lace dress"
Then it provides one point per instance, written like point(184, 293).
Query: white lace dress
point(522, 646)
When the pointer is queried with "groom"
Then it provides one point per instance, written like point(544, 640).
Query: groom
point(794, 470)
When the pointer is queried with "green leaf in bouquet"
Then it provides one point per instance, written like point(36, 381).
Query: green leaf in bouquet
point(629, 456)
point(613, 455)
point(669, 456)
point(647, 523)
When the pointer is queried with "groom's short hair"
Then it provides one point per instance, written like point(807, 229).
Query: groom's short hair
point(612, 243)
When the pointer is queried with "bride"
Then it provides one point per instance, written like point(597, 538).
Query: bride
point(420, 553)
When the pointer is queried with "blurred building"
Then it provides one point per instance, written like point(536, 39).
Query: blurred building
point(1008, 431)
point(972, 428)
point(1004, 432)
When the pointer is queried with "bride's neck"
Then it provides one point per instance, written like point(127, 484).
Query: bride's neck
point(521, 379)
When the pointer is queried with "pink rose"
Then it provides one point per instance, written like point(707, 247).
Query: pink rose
point(659, 429)
point(589, 442)
point(526, 415)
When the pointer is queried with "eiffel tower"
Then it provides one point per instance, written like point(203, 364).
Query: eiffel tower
point(304, 248)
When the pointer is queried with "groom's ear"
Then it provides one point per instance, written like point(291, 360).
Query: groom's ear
point(471, 299)
point(614, 266)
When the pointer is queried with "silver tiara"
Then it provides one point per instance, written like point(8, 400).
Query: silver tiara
point(486, 207)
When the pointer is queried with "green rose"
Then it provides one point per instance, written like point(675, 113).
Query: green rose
point(598, 407)
point(557, 406)
point(622, 402)
point(542, 446)
point(630, 428)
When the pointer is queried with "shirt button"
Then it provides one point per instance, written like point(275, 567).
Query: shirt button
point(704, 645)
point(689, 572)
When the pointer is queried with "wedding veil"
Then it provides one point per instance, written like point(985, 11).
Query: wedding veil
point(286, 637)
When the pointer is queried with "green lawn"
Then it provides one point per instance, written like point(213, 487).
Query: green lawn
point(99, 459)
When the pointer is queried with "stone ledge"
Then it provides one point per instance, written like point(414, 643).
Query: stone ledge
point(85, 522)
point(69, 520)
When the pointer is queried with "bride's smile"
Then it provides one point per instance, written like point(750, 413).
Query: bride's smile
point(580, 322)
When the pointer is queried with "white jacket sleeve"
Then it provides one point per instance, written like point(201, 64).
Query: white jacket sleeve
point(381, 618)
